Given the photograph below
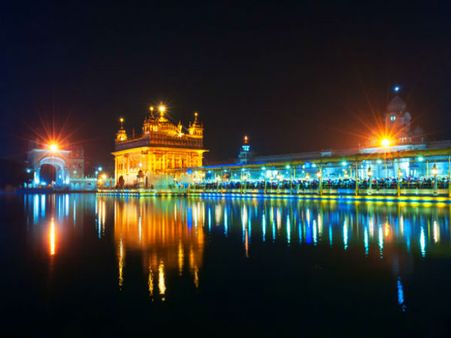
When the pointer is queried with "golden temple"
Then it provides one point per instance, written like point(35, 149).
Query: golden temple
point(161, 150)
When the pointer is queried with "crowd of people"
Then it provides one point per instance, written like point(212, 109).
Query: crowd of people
point(330, 184)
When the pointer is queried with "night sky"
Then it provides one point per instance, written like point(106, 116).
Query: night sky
point(293, 76)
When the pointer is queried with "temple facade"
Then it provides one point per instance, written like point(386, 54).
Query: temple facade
point(159, 152)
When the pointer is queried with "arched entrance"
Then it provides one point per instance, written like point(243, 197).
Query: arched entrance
point(47, 174)
point(50, 170)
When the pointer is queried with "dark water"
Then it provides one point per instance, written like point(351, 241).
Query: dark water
point(81, 265)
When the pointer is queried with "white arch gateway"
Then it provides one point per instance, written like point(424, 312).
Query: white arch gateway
point(68, 165)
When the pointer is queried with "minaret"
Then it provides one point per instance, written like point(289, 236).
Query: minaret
point(121, 134)
point(397, 119)
point(245, 152)
point(195, 128)
point(150, 123)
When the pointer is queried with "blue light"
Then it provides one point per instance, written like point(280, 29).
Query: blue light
point(396, 88)
point(420, 158)
point(344, 163)
point(28, 170)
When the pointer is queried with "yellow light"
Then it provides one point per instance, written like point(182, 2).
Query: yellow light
point(162, 108)
point(385, 142)
point(121, 120)
point(52, 238)
point(151, 108)
point(434, 170)
point(53, 146)
point(103, 176)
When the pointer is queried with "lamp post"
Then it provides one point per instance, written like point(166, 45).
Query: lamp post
point(398, 182)
point(434, 173)
point(370, 181)
point(356, 178)
point(449, 176)
point(319, 174)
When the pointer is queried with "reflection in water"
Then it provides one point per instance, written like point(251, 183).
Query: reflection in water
point(52, 237)
point(168, 235)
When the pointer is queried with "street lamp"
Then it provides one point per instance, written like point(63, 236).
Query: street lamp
point(435, 173)
point(319, 174)
point(370, 181)
point(53, 146)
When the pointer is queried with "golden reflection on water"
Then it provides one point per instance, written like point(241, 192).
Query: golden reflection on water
point(168, 236)
point(52, 237)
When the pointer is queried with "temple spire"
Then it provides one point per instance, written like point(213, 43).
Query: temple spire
point(121, 134)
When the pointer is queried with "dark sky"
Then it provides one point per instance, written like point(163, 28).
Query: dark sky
point(293, 76)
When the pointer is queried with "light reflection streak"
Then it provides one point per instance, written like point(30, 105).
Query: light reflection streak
point(422, 242)
point(121, 263)
point(381, 241)
point(345, 235)
point(366, 241)
point(161, 280)
point(52, 238)
point(400, 292)
point(288, 230)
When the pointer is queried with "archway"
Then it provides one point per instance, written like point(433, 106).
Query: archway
point(47, 174)
point(52, 169)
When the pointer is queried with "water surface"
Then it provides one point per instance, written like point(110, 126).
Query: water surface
point(87, 265)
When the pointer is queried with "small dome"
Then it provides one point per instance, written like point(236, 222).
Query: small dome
point(396, 105)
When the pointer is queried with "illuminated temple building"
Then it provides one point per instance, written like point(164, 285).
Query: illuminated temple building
point(163, 149)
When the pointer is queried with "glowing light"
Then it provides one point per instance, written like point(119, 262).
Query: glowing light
point(396, 88)
point(400, 294)
point(422, 242)
point(420, 158)
point(52, 238)
point(162, 109)
point(385, 142)
point(121, 263)
point(434, 170)
point(121, 120)
point(53, 146)
point(161, 279)
point(150, 282)
point(344, 163)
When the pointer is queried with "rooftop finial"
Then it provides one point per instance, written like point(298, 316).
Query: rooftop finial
point(162, 109)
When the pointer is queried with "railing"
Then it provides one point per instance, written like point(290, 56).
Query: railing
point(391, 187)
point(159, 140)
